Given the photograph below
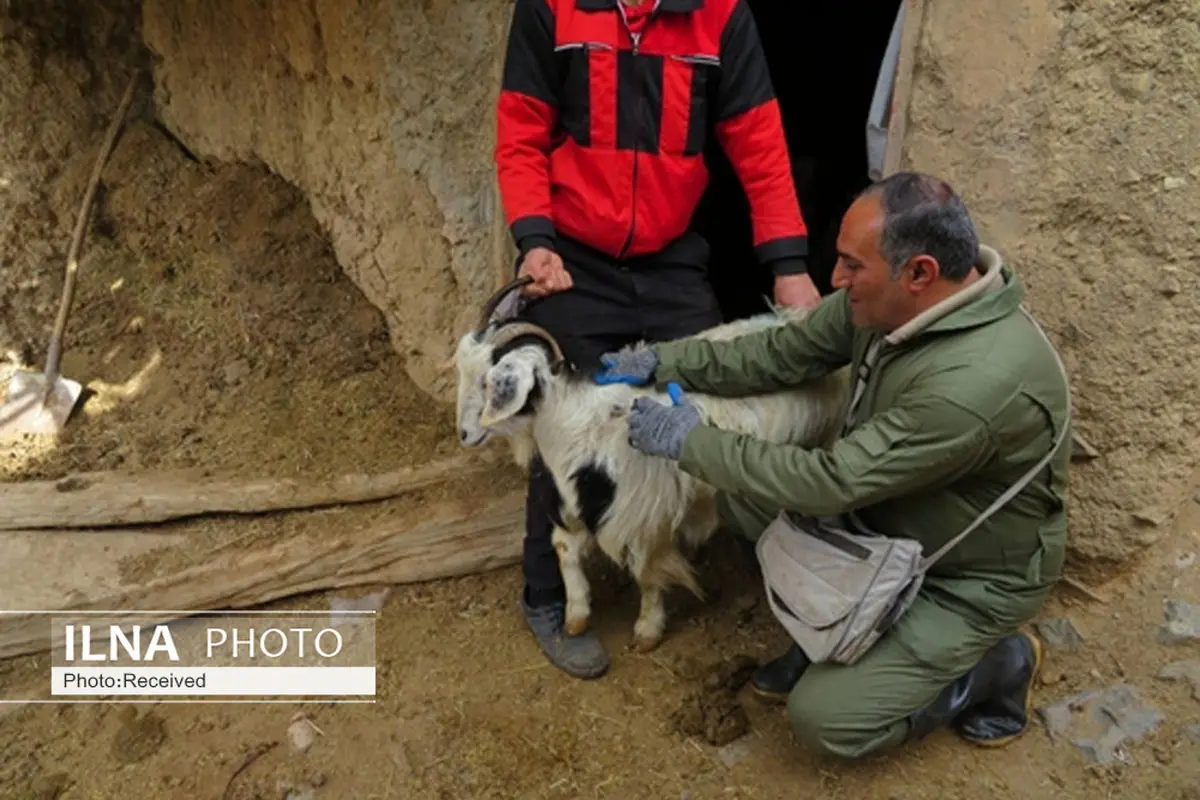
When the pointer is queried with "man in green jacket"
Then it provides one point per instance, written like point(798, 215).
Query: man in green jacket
point(965, 398)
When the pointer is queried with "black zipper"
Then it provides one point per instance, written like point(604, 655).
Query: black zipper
point(636, 40)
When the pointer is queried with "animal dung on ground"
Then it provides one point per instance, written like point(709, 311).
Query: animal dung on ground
point(716, 717)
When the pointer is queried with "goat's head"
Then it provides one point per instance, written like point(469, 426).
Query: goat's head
point(502, 365)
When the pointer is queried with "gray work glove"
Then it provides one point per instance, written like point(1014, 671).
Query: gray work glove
point(660, 430)
point(635, 367)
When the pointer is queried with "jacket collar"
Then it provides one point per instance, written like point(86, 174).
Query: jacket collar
point(995, 295)
point(678, 6)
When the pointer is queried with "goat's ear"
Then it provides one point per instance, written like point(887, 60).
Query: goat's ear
point(506, 390)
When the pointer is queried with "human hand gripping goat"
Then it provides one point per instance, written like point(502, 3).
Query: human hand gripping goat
point(635, 367)
point(659, 430)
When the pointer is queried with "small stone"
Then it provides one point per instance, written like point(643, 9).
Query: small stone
point(1171, 183)
point(734, 752)
point(1171, 287)
point(1060, 633)
point(1192, 732)
point(318, 780)
point(301, 735)
point(1182, 623)
point(1132, 176)
point(1184, 561)
point(1184, 672)
point(1101, 723)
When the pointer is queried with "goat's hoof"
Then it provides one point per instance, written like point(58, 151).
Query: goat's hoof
point(576, 626)
point(644, 644)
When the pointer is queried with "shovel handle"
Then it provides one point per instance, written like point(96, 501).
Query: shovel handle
point(54, 355)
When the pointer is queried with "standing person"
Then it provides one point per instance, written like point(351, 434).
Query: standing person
point(602, 118)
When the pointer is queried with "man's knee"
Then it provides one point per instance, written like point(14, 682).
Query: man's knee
point(830, 718)
point(744, 517)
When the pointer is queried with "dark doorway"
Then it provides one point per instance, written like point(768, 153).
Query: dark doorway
point(824, 59)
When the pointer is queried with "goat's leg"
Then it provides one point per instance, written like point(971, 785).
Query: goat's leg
point(652, 619)
point(571, 549)
point(662, 568)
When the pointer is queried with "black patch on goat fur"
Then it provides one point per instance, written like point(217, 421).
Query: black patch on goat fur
point(554, 505)
point(535, 393)
point(595, 489)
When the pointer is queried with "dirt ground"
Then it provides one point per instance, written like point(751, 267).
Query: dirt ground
point(467, 707)
point(217, 331)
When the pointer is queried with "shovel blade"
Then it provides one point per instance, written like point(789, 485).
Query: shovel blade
point(24, 411)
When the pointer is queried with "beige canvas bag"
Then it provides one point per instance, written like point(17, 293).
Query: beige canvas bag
point(836, 591)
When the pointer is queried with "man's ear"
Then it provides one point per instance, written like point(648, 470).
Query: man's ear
point(507, 386)
point(923, 272)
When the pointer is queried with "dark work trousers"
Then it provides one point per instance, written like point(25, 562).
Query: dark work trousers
point(611, 304)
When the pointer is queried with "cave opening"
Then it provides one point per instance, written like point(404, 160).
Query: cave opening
point(824, 60)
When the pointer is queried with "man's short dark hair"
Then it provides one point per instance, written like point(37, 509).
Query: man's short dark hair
point(923, 215)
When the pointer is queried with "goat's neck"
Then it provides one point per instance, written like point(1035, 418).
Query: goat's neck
point(573, 402)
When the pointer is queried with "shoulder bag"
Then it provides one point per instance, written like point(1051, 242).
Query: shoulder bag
point(836, 592)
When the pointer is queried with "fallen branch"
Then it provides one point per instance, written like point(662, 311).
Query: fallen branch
point(100, 500)
point(255, 754)
point(458, 538)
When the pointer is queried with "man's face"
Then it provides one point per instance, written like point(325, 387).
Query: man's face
point(877, 299)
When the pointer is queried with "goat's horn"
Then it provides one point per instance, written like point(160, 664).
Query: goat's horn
point(511, 331)
point(490, 306)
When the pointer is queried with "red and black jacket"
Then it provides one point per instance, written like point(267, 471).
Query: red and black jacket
point(602, 120)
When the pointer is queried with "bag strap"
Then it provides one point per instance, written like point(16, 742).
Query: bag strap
point(1028, 476)
point(864, 374)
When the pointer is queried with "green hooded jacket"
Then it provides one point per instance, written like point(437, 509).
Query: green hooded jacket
point(962, 402)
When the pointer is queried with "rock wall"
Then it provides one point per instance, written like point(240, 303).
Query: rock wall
point(382, 113)
point(1071, 129)
point(1069, 125)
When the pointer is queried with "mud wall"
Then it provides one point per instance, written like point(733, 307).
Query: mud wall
point(381, 113)
point(1070, 127)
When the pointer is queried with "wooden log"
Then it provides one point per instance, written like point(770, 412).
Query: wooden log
point(103, 499)
point(454, 539)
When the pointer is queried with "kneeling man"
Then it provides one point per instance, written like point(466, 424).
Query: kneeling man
point(965, 397)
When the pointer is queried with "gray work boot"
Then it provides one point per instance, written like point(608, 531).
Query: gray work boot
point(581, 656)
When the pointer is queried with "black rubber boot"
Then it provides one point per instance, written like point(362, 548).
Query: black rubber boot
point(989, 706)
point(581, 656)
point(775, 679)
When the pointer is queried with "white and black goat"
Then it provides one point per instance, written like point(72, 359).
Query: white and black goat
point(642, 511)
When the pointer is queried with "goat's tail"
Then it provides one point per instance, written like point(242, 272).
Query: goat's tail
point(672, 568)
